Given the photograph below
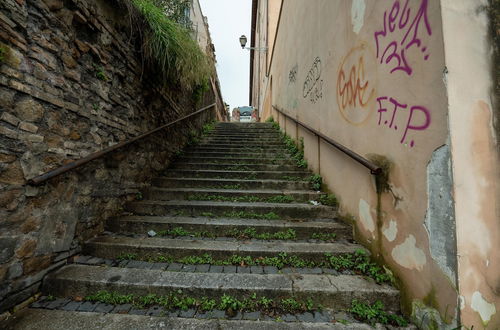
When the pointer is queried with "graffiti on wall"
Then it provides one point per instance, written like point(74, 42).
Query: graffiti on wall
point(403, 28)
point(354, 90)
point(292, 75)
point(402, 117)
point(313, 85)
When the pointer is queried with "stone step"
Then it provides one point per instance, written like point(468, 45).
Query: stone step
point(293, 211)
point(336, 292)
point(240, 144)
point(31, 318)
point(238, 150)
point(236, 160)
point(226, 174)
point(247, 141)
point(236, 167)
point(111, 247)
point(192, 193)
point(166, 182)
point(244, 154)
point(219, 227)
point(233, 147)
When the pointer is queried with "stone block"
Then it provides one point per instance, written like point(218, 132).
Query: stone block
point(26, 249)
point(54, 4)
point(35, 264)
point(29, 110)
point(9, 197)
point(8, 132)
point(7, 248)
point(28, 127)
point(9, 118)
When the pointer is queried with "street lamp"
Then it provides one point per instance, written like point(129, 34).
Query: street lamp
point(243, 42)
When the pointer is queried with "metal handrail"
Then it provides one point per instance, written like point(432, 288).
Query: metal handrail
point(82, 161)
point(374, 169)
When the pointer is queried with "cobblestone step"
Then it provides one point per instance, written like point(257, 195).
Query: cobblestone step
point(156, 193)
point(230, 183)
point(110, 247)
point(270, 211)
point(121, 318)
point(330, 291)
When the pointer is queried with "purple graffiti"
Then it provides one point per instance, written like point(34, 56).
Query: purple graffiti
point(419, 118)
point(397, 21)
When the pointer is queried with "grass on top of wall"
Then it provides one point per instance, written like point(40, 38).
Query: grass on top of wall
point(168, 47)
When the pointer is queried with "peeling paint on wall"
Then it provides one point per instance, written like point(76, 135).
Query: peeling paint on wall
point(408, 255)
point(484, 308)
point(365, 216)
point(358, 15)
point(391, 232)
point(440, 217)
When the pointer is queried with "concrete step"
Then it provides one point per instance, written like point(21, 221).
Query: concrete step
point(236, 167)
point(235, 160)
point(226, 174)
point(245, 141)
point(111, 247)
point(191, 193)
point(244, 154)
point(334, 292)
point(219, 227)
point(229, 149)
point(293, 211)
point(237, 147)
point(166, 182)
point(36, 319)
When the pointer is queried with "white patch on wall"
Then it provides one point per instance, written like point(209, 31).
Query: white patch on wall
point(365, 216)
point(358, 15)
point(462, 302)
point(392, 231)
point(484, 308)
point(408, 255)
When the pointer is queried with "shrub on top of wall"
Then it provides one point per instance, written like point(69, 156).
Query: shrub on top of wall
point(168, 47)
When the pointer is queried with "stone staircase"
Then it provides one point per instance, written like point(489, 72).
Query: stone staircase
point(226, 238)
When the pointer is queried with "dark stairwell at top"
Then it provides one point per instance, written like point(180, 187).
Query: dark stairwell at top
point(227, 237)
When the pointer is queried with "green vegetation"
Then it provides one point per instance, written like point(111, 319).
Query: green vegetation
point(251, 215)
point(327, 237)
point(359, 262)
point(291, 178)
point(99, 73)
point(316, 181)
point(208, 127)
point(375, 314)
point(180, 232)
point(167, 46)
point(179, 300)
point(193, 138)
point(248, 199)
point(270, 120)
point(297, 152)
point(138, 196)
point(328, 199)
point(247, 233)
point(231, 186)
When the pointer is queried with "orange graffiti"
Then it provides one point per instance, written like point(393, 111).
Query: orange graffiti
point(353, 90)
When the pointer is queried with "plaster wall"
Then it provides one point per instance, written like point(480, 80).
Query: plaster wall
point(474, 150)
point(373, 76)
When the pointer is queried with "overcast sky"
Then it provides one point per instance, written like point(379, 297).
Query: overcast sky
point(228, 20)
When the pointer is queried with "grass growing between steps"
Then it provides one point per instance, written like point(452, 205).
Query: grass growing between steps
point(228, 303)
point(247, 233)
point(375, 314)
point(249, 199)
point(358, 262)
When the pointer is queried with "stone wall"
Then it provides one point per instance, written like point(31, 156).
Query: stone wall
point(71, 83)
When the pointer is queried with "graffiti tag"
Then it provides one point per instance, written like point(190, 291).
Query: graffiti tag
point(313, 85)
point(292, 75)
point(414, 118)
point(412, 25)
point(354, 92)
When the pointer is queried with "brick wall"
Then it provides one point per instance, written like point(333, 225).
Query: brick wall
point(72, 83)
